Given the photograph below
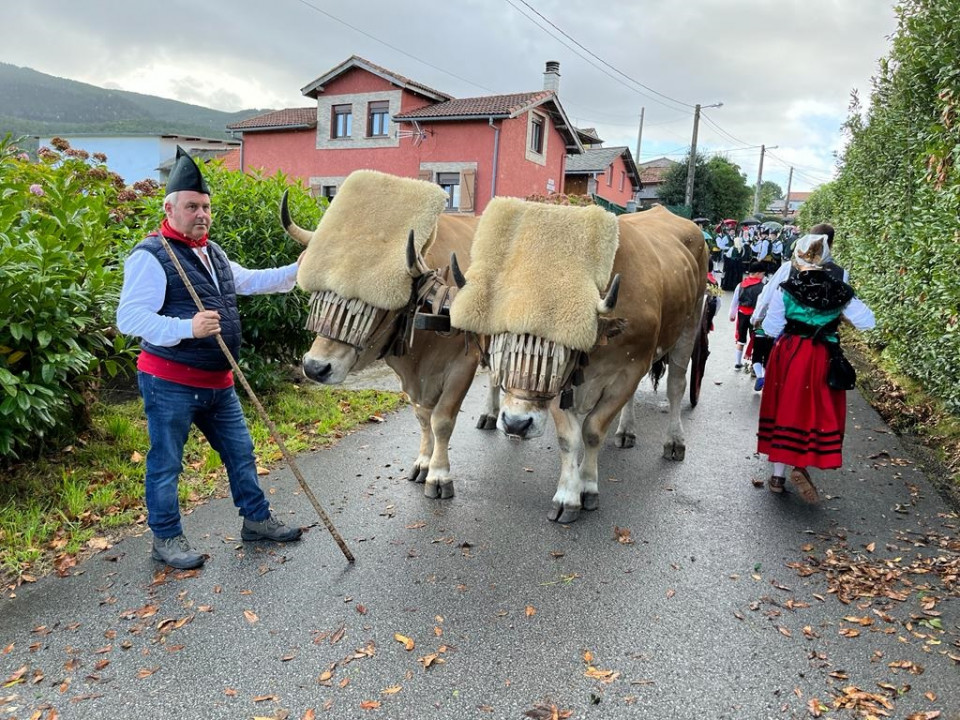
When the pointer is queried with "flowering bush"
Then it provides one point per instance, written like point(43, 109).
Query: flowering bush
point(66, 225)
point(60, 246)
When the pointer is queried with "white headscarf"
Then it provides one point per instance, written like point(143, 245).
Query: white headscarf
point(811, 252)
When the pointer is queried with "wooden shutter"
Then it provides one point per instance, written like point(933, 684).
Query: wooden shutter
point(426, 175)
point(468, 182)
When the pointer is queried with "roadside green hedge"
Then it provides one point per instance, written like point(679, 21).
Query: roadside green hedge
point(897, 198)
point(66, 225)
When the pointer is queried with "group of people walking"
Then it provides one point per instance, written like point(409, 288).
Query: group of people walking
point(732, 251)
point(787, 315)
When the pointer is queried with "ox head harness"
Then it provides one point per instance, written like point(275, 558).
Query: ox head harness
point(537, 366)
point(543, 367)
point(361, 325)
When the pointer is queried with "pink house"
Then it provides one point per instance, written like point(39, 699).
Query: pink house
point(368, 117)
point(609, 173)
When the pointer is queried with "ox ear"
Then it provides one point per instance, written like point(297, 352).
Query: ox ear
point(458, 277)
point(293, 230)
point(609, 328)
point(606, 306)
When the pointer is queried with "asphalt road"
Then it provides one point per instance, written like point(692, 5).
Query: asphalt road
point(716, 599)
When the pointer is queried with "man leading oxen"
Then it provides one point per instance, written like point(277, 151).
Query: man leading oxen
point(534, 287)
point(368, 267)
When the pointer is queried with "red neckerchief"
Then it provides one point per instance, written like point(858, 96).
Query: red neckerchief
point(171, 234)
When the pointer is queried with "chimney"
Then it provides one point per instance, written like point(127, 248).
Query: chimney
point(551, 76)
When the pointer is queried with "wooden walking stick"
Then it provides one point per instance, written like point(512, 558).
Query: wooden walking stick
point(263, 413)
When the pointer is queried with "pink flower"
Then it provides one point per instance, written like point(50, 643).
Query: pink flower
point(24, 157)
point(37, 190)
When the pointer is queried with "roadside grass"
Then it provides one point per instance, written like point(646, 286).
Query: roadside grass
point(59, 506)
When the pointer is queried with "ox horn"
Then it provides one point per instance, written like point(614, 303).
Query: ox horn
point(293, 230)
point(610, 301)
point(458, 277)
point(415, 264)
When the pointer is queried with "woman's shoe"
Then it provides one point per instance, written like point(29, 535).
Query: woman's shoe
point(776, 483)
point(801, 480)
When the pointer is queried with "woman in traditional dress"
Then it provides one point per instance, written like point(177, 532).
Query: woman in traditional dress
point(803, 419)
point(734, 260)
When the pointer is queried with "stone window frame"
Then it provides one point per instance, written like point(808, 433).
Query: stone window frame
point(358, 138)
point(540, 158)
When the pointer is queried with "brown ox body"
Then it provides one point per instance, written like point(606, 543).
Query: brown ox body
point(435, 370)
point(662, 263)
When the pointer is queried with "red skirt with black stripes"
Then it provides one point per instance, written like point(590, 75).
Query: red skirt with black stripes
point(802, 420)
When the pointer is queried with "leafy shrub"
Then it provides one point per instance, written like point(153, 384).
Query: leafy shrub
point(64, 222)
point(898, 194)
point(820, 207)
point(246, 224)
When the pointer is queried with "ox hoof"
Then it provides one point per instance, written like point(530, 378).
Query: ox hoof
point(625, 440)
point(487, 422)
point(435, 490)
point(591, 501)
point(674, 451)
point(559, 513)
point(418, 474)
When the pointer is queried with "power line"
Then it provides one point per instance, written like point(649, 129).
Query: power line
point(393, 47)
point(798, 171)
point(795, 165)
point(594, 55)
point(735, 139)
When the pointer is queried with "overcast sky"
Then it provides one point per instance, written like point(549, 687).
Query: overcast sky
point(784, 70)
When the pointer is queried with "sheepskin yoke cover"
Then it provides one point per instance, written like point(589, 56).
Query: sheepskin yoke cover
point(538, 269)
point(359, 249)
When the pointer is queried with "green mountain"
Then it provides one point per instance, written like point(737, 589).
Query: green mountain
point(33, 103)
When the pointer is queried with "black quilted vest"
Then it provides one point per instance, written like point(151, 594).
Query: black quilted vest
point(202, 353)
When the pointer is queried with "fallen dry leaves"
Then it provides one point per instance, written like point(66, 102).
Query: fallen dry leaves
point(407, 643)
point(548, 712)
point(622, 535)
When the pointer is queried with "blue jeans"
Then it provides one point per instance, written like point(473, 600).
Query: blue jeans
point(171, 409)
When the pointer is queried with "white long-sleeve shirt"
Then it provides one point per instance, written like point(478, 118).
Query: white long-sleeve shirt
point(856, 312)
point(144, 290)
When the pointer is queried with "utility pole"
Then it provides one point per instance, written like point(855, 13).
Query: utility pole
point(786, 199)
point(639, 137)
point(756, 194)
point(692, 164)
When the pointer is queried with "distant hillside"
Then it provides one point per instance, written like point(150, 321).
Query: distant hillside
point(33, 103)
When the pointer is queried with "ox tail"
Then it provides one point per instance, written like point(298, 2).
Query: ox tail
point(657, 371)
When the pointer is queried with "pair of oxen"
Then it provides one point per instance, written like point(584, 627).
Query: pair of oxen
point(650, 315)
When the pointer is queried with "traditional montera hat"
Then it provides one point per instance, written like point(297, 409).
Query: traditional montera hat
point(186, 175)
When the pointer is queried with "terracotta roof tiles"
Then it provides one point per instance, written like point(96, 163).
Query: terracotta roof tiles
point(275, 119)
point(504, 105)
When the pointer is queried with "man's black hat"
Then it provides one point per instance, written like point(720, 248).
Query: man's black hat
point(186, 175)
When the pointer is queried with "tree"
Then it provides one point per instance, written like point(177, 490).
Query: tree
point(673, 190)
point(769, 191)
point(719, 188)
point(727, 193)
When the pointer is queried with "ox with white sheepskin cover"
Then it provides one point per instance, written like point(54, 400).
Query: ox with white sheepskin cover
point(359, 249)
point(538, 269)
